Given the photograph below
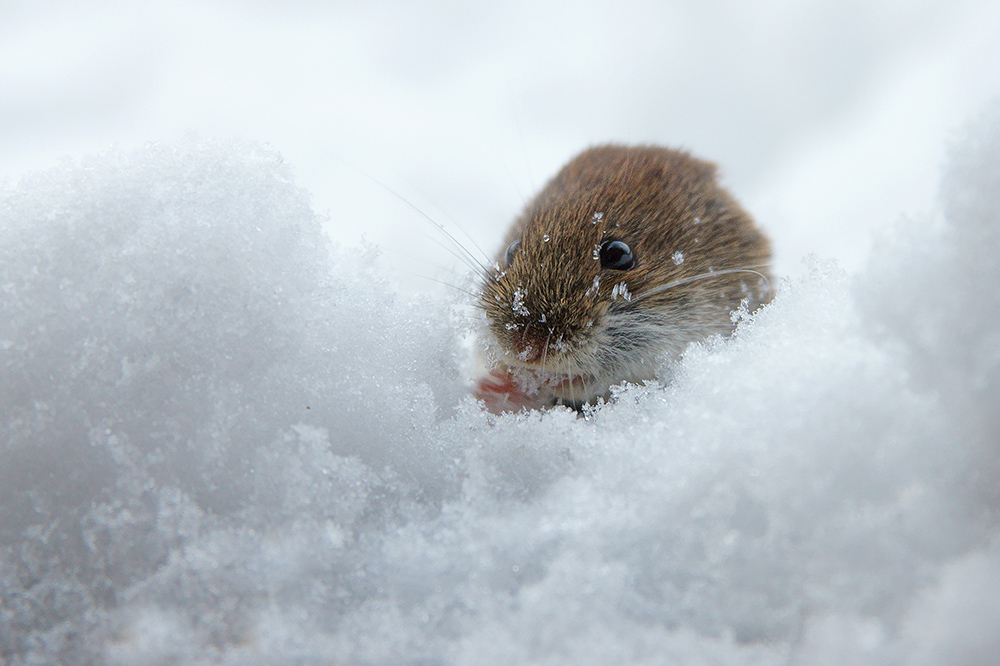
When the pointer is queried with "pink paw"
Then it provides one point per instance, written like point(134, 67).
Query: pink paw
point(501, 393)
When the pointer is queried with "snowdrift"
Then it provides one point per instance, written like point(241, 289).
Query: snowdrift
point(226, 441)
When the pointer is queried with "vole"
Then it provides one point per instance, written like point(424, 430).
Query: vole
point(625, 257)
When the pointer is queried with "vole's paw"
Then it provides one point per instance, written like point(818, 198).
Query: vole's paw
point(501, 393)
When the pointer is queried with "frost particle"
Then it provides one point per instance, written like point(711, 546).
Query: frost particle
point(621, 289)
point(594, 287)
point(518, 305)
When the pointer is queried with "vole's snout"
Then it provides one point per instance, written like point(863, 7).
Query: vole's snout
point(538, 340)
point(530, 352)
point(524, 339)
point(544, 318)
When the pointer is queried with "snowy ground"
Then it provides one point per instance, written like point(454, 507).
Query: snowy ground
point(225, 443)
point(228, 440)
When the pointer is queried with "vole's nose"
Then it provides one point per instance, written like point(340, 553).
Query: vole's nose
point(530, 351)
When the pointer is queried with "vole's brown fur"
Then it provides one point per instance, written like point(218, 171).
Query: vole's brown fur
point(582, 328)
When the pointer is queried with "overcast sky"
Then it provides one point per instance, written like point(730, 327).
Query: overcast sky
point(828, 119)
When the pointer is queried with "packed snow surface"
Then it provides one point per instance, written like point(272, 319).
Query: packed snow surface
point(225, 441)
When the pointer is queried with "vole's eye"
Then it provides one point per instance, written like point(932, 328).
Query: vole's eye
point(508, 255)
point(616, 255)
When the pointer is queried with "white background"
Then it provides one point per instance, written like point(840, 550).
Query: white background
point(828, 119)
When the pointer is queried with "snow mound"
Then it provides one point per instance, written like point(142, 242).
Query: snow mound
point(226, 442)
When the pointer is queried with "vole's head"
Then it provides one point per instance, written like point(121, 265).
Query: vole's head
point(625, 257)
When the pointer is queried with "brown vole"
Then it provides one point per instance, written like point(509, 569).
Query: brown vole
point(624, 258)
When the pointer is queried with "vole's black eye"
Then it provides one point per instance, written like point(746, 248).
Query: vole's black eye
point(508, 255)
point(616, 255)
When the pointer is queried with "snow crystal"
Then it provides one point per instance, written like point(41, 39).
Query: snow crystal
point(621, 289)
point(677, 257)
point(518, 304)
point(227, 442)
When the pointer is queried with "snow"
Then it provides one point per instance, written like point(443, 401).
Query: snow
point(227, 440)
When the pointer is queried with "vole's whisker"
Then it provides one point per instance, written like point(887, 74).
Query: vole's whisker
point(472, 294)
point(454, 273)
point(465, 258)
point(572, 384)
point(701, 276)
point(491, 276)
point(475, 264)
point(545, 349)
point(486, 257)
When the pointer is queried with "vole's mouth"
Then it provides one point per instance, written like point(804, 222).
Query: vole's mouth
point(569, 384)
point(569, 387)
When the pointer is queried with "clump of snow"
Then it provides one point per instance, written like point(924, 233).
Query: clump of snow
point(225, 441)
